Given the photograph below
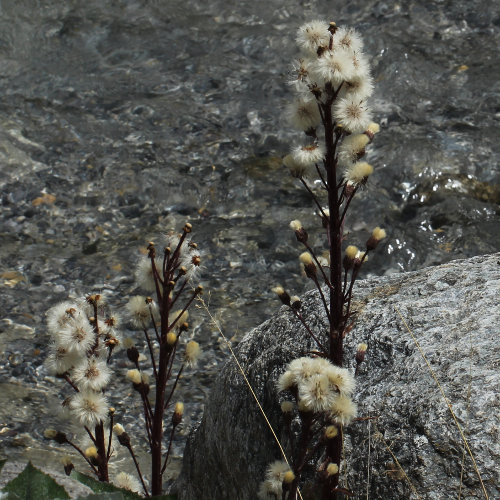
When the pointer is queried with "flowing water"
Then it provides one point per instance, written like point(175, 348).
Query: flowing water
point(122, 119)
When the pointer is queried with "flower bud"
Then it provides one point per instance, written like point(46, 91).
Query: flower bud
point(300, 232)
point(178, 413)
point(360, 353)
point(282, 295)
point(309, 266)
point(377, 235)
point(350, 254)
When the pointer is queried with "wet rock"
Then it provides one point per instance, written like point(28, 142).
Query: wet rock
point(453, 312)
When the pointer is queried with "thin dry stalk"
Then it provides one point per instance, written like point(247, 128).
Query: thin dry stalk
point(247, 382)
point(448, 404)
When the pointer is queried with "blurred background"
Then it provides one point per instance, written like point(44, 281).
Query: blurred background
point(120, 120)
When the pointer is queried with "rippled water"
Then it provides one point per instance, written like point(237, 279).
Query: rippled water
point(121, 119)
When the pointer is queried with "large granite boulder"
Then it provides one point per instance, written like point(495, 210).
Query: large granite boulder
point(411, 448)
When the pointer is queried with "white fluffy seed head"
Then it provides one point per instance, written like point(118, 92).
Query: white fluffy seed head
point(341, 379)
point(60, 315)
point(348, 39)
point(312, 35)
point(127, 482)
point(358, 172)
point(144, 273)
point(139, 311)
point(353, 115)
point(297, 170)
point(308, 156)
point(334, 66)
point(92, 373)
point(77, 335)
point(317, 393)
point(61, 360)
point(303, 113)
point(343, 410)
point(352, 148)
point(89, 407)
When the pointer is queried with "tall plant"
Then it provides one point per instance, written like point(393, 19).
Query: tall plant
point(84, 335)
point(332, 83)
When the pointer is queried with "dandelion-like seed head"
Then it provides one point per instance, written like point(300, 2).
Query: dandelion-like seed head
point(352, 149)
point(60, 315)
point(127, 482)
point(316, 393)
point(303, 113)
point(308, 156)
point(89, 407)
point(139, 310)
point(77, 335)
point(379, 234)
point(353, 115)
point(297, 170)
point(313, 35)
point(358, 173)
point(171, 338)
point(61, 359)
point(348, 39)
point(92, 373)
point(287, 406)
point(343, 410)
point(144, 273)
point(286, 381)
point(335, 67)
point(341, 378)
point(118, 429)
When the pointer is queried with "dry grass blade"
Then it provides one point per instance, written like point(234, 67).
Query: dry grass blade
point(448, 404)
point(396, 461)
point(247, 382)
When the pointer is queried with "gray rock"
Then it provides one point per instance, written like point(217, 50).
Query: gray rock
point(453, 312)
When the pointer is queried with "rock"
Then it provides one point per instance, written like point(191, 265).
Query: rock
point(453, 311)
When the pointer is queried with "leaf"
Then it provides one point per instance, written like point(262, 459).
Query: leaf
point(117, 495)
point(2, 463)
point(33, 484)
point(100, 487)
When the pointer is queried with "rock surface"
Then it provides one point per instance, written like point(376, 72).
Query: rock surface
point(453, 312)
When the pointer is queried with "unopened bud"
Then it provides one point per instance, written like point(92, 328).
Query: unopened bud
point(295, 303)
point(67, 464)
point(300, 232)
point(282, 295)
point(178, 413)
point(288, 477)
point(332, 470)
point(360, 353)
point(188, 227)
point(171, 338)
point(309, 266)
point(331, 431)
point(377, 235)
point(350, 254)
point(133, 354)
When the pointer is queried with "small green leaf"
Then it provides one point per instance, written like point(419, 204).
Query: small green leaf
point(100, 487)
point(33, 484)
point(2, 463)
point(117, 495)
